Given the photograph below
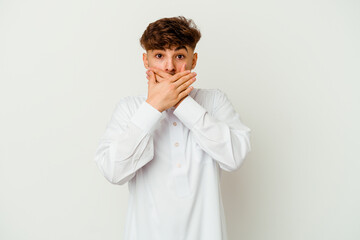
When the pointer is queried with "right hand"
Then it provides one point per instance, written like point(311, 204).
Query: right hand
point(170, 90)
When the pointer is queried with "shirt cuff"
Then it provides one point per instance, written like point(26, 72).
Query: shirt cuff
point(146, 116)
point(189, 111)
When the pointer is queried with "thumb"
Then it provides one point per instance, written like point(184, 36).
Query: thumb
point(183, 67)
point(151, 77)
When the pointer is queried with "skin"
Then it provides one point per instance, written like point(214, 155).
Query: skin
point(169, 75)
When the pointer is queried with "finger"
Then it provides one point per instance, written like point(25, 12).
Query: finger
point(183, 67)
point(158, 78)
point(186, 84)
point(185, 92)
point(161, 73)
point(184, 79)
point(179, 75)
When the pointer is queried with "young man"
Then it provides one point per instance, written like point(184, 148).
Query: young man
point(171, 145)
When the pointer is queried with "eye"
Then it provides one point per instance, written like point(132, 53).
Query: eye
point(158, 55)
point(180, 56)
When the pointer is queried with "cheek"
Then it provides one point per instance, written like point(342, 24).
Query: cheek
point(189, 64)
point(181, 63)
point(156, 64)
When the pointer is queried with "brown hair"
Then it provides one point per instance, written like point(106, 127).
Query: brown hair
point(170, 32)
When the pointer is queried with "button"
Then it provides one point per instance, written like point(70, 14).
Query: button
point(174, 123)
point(176, 144)
point(178, 165)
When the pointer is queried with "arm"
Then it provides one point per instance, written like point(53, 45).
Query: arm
point(221, 135)
point(127, 144)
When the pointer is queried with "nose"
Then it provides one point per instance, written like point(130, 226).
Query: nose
point(169, 66)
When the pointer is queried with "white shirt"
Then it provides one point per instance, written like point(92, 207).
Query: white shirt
point(172, 162)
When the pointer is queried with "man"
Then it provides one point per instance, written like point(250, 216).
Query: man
point(171, 145)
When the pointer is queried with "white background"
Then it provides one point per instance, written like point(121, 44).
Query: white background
point(291, 69)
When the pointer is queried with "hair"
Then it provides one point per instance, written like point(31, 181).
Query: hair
point(170, 32)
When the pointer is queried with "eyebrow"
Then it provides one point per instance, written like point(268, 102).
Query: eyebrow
point(176, 49)
point(181, 47)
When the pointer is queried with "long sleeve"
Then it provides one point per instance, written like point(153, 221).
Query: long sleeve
point(127, 144)
point(221, 134)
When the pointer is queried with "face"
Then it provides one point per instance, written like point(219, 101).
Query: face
point(171, 60)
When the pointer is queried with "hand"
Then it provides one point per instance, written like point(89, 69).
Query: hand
point(166, 90)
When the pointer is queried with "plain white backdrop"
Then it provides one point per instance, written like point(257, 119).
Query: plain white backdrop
point(290, 68)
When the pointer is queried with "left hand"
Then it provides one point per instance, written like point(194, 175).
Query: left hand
point(161, 75)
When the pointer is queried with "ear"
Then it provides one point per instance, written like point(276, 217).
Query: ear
point(145, 60)
point(194, 61)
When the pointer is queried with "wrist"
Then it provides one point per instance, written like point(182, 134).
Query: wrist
point(154, 105)
point(176, 105)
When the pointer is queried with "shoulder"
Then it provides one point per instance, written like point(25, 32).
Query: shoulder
point(129, 104)
point(131, 100)
point(206, 93)
point(203, 94)
point(208, 98)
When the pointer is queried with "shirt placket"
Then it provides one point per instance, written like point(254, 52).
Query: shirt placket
point(178, 163)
